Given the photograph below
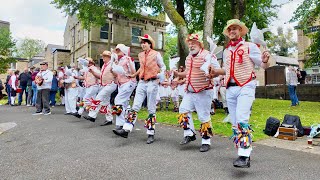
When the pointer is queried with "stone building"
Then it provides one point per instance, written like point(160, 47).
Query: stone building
point(20, 64)
point(303, 43)
point(84, 43)
point(48, 56)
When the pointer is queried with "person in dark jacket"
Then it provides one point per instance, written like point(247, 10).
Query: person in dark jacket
point(24, 78)
point(29, 88)
point(54, 88)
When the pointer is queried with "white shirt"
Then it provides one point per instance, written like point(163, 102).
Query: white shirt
point(160, 62)
point(47, 76)
point(13, 82)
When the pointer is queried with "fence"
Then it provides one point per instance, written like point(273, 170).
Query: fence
point(305, 92)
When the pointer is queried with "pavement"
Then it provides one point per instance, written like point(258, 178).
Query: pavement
point(65, 147)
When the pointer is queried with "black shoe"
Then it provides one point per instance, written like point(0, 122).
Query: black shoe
point(106, 123)
point(77, 115)
point(150, 139)
point(67, 113)
point(19, 104)
point(121, 132)
point(188, 139)
point(90, 118)
point(204, 147)
point(242, 162)
point(117, 128)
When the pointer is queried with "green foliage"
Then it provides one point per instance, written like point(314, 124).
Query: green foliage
point(94, 12)
point(314, 50)
point(307, 14)
point(7, 45)
point(281, 43)
point(262, 12)
point(28, 48)
point(170, 48)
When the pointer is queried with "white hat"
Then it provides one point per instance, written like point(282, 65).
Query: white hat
point(123, 48)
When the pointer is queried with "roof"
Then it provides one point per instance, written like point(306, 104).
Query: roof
point(286, 60)
point(53, 47)
point(61, 50)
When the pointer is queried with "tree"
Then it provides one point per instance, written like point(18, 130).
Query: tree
point(188, 16)
point(281, 42)
point(28, 48)
point(170, 48)
point(7, 45)
point(307, 14)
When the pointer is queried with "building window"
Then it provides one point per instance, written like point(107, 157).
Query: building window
point(85, 36)
point(160, 40)
point(79, 36)
point(135, 32)
point(104, 31)
point(13, 66)
point(315, 70)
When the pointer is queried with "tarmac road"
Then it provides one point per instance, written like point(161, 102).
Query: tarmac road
point(65, 147)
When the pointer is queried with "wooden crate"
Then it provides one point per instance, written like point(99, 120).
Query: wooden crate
point(316, 141)
point(288, 133)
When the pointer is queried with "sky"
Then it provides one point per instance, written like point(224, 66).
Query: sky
point(38, 19)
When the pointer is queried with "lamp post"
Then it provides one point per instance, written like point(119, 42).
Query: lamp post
point(110, 15)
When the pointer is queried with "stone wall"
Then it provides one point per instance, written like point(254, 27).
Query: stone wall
point(305, 92)
point(60, 57)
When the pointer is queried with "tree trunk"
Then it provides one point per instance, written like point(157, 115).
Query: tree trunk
point(180, 23)
point(238, 8)
point(208, 21)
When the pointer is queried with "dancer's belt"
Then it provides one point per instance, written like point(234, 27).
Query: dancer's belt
point(231, 84)
point(150, 79)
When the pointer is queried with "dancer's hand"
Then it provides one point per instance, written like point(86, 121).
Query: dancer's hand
point(265, 56)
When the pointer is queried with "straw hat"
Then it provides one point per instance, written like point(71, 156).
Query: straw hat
point(194, 37)
point(236, 22)
point(147, 37)
point(106, 53)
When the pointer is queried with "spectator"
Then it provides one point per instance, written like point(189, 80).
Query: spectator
point(1, 88)
point(34, 86)
point(29, 88)
point(292, 81)
point(8, 88)
point(54, 89)
point(61, 85)
point(24, 78)
point(308, 80)
point(44, 82)
point(13, 82)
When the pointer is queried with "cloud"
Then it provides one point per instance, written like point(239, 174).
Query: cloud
point(36, 19)
point(285, 13)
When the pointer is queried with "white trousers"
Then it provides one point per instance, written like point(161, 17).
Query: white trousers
point(223, 91)
point(144, 89)
point(200, 102)
point(239, 101)
point(104, 96)
point(123, 98)
point(90, 92)
point(71, 95)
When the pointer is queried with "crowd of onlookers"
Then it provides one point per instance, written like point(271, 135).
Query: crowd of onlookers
point(21, 88)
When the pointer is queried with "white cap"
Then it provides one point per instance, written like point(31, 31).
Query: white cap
point(123, 48)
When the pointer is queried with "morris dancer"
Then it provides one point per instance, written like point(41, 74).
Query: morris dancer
point(239, 59)
point(71, 92)
point(126, 85)
point(91, 86)
point(198, 95)
point(108, 86)
point(151, 69)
